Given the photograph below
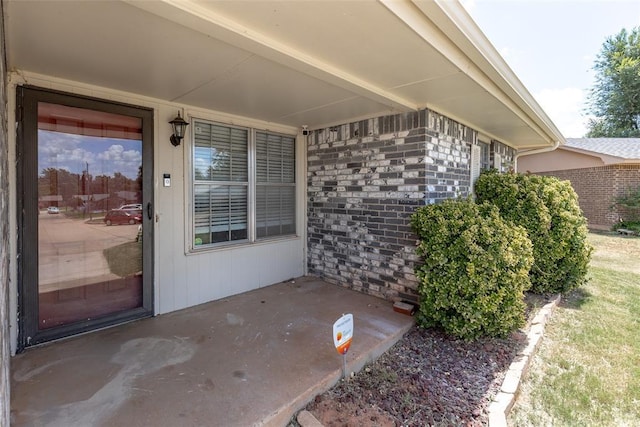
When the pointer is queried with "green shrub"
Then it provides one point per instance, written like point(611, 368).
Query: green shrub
point(628, 207)
point(548, 209)
point(475, 269)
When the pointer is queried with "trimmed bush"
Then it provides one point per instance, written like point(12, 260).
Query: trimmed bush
point(475, 269)
point(548, 209)
point(628, 207)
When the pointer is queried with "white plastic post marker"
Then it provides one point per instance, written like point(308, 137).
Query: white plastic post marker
point(342, 336)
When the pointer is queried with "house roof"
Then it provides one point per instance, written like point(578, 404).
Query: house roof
point(294, 63)
point(621, 148)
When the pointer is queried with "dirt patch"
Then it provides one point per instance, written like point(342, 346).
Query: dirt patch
point(351, 414)
point(615, 250)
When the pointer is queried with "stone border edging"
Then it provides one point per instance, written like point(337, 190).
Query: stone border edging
point(307, 419)
point(502, 403)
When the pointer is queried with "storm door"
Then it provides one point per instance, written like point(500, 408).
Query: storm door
point(85, 218)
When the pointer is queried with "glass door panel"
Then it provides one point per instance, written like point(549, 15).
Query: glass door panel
point(89, 214)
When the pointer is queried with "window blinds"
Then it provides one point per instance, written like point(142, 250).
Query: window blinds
point(275, 185)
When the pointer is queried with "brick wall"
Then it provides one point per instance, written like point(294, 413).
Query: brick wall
point(364, 181)
point(597, 189)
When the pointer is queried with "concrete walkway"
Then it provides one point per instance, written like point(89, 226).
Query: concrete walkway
point(249, 360)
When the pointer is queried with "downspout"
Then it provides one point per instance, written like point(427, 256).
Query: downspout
point(533, 151)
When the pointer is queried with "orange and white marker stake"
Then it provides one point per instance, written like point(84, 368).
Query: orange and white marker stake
point(342, 336)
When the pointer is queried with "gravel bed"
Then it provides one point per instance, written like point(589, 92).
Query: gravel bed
point(426, 379)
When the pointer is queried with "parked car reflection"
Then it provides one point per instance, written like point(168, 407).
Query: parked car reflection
point(117, 216)
point(53, 210)
point(131, 207)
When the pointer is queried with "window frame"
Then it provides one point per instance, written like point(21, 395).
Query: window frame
point(252, 187)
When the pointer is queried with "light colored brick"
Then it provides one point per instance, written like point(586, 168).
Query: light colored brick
point(306, 419)
point(511, 381)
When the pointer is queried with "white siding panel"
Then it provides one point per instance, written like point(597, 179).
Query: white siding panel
point(218, 274)
point(286, 255)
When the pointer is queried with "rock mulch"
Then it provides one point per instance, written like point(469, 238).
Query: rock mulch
point(427, 378)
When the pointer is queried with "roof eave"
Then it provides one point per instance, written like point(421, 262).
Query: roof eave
point(493, 73)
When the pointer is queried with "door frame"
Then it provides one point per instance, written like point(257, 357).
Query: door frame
point(27, 98)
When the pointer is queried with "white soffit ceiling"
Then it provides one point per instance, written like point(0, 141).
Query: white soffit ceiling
point(290, 62)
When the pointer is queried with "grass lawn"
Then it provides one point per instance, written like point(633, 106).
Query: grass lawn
point(125, 259)
point(587, 371)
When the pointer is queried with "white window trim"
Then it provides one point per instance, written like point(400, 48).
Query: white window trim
point(497, 161)
point(475, 166)
point(251, 193)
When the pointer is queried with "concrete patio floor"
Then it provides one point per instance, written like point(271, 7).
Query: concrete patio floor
point(248, 360)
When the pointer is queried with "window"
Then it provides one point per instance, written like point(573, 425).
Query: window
point(485, 164)
point(227, 207)
point(275, 185)
point(220, 183)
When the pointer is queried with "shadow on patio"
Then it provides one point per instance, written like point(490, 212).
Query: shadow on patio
point(251, 359)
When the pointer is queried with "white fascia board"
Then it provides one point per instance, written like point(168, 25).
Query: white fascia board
point(496, 62)
point(192, 15)
point(449, 29)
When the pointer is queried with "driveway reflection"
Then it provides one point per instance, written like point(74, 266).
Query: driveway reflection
point(71, 250)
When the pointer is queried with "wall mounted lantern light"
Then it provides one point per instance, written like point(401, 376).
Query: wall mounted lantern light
point(179, 127)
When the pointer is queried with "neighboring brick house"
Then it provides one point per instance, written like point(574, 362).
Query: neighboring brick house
point(600, 170)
